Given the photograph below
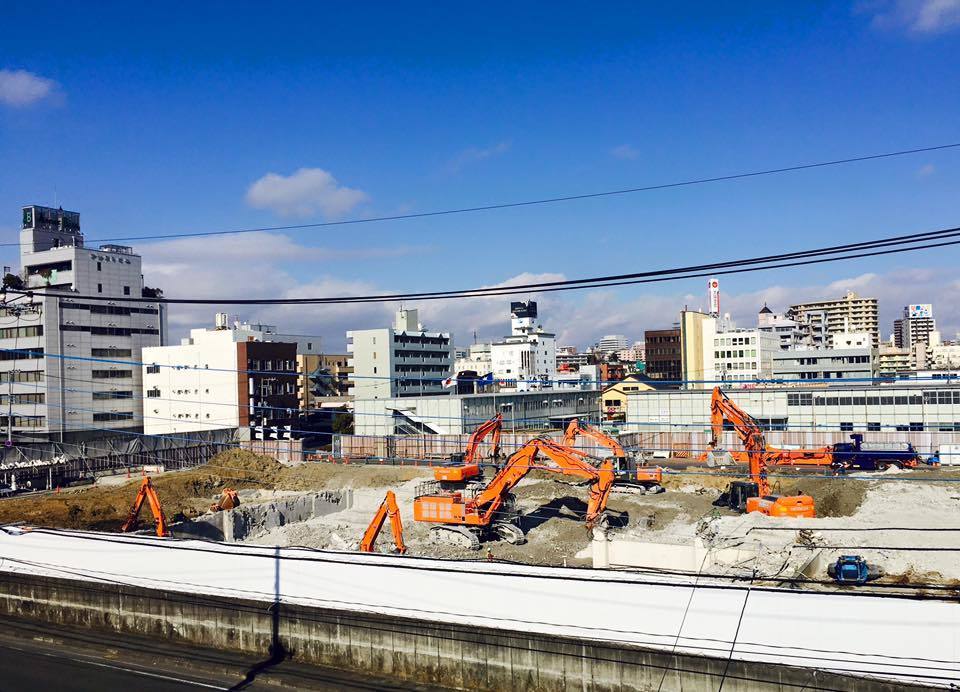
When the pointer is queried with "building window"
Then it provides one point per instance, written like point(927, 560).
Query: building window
point(99, 266)
point(153, 393)
point(153, 369)
point(99, 288)
point(126, 290)
point(846, 427)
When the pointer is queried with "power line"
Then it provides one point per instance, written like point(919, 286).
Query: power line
point(906, 243)
point(535, 202)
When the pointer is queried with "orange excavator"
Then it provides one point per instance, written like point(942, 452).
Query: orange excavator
point(721, 406)
point(147, 493)
point(228, 500)
point(628, 472)
point(753, 495)
point(491, 513)
point(388, 509)
point(464, 468)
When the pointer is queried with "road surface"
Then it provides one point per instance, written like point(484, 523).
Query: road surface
point(36, 656)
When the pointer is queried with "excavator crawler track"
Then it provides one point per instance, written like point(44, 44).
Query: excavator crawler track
point(458, 536)
point(510, 532)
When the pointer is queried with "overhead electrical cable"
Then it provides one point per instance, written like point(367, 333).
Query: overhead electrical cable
point(907, 243)
point(534, 202)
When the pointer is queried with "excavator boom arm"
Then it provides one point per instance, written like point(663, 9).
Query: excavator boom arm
point(388, 509)
point(148, 494)
point(576, 428)
point(747, 429)
point(494, 426)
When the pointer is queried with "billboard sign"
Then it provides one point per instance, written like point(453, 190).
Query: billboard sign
point(919, 310)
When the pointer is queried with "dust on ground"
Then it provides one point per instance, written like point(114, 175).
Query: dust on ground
point(552, 510)
point(187, 494)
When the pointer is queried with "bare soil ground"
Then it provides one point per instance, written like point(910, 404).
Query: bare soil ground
point(552, 509)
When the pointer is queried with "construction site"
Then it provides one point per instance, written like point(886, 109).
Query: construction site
point(574, 498)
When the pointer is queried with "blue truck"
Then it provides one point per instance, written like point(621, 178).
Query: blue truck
point(874, 456)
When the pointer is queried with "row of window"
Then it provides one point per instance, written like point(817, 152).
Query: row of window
point(110, 309)
point(22, 353)
point(101, 396)
point(25, 398)
point(23, 421)
point(113, 415)
point(739, 353)
point(20, 332)
point(23, 376)
point(108, 331)
point(110, 374)
point(735, 341)
point(111, 352)
point(271, 365)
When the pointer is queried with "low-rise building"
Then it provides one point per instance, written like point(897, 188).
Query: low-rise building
point(323, 378)
point(901, 406)
point(613, 399)
point(477, 360)
point(664, 355)
point(460, 414)
point(744, 356)
point(221, 378)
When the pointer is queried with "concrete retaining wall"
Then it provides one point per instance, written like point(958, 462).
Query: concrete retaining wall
point(250, 520)
point(474, 658)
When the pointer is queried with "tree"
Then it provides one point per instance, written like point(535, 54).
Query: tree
point(13, 281)
point(342, 423)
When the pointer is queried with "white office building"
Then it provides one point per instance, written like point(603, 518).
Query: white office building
point(401, 361)
point(74, 362)
point(744, 356)
point(475, 359)
point(527, 359)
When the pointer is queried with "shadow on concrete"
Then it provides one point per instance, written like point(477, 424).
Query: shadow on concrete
point(569, 509)
point(277, 652)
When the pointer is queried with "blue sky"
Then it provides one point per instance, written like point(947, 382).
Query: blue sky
point(225, 115)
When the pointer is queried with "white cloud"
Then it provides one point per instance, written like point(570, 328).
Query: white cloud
point(474, 154)
point(626, 152)
point(919, 17)
point(20, 88)
point(306, 192)
point(926, 170)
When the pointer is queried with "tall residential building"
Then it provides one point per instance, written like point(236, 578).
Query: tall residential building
point(570, 360)
point(914, 327)
point(221, 378)
point(400, 361)
point(848, 314)
point(527, 359)
point(632, 354)
point(808, 331)
point(611, 343)
point(663, 351)
point(697, 352)
point(71, 361)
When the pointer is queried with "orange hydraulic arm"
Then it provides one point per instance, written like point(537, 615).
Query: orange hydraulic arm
point(148, 494)
point(493, 426)
point(470, 468)
point(575, 428)
point(749, 432)
point(388, 508)
point(480, 510)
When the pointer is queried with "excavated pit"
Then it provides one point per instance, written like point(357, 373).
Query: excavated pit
point(252, 519)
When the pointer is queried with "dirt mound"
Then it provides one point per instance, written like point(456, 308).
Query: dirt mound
point(186, 493)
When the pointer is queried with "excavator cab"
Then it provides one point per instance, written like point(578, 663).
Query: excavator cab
point(463, 469)
point(744, 496)
point(630, 472)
